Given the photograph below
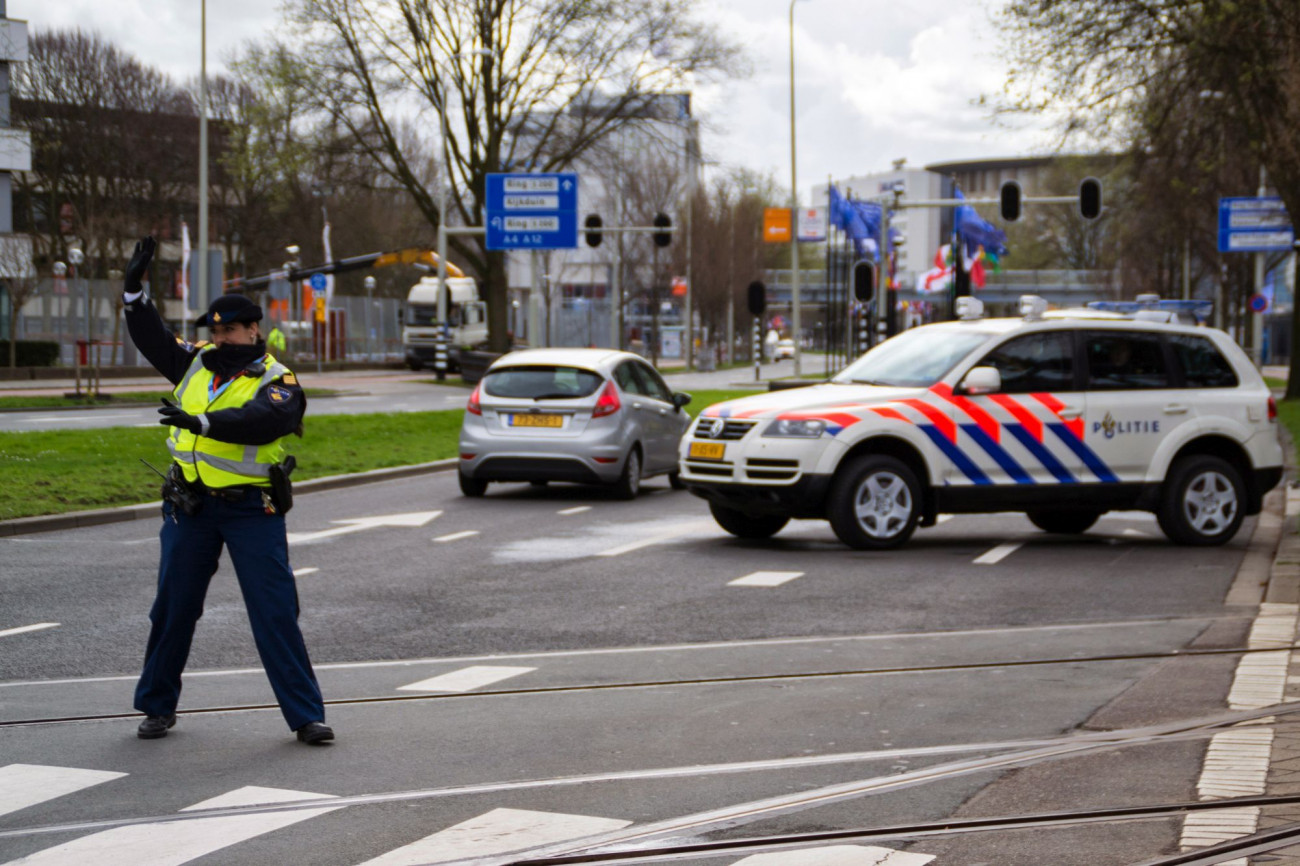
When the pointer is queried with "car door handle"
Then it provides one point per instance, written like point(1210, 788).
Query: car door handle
point(1176, 409)
point(636, 405)
point(663, 411)
point(1070, 413)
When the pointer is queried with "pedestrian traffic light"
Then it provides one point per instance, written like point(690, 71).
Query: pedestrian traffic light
point(1010, 203)
point(757, 298)
point(593, 224)
point(663, 238)
point(864, 280)
point(1090, 198)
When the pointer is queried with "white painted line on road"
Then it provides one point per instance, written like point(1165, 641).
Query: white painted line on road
point(302, 572)
point(838, 855)
point(999, 553)
point(466, 679)
point(578, 509)
point(766, 578)
point(678, 532)
point(23, 629)
point(500, 831)
point(1135, 533)
point(944, 518)
point(174, 843)
point(457, 536)
point(24, 785)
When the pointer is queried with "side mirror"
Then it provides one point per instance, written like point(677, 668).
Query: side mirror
point(982, 380)
point(680, 399)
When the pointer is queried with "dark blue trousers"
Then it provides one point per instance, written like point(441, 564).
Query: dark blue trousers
point(259, 551)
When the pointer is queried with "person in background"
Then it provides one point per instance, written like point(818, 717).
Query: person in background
point(276, 342)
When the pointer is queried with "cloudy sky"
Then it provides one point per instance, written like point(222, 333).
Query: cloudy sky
point(875, 81)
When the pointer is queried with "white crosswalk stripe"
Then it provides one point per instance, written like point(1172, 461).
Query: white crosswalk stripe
point(466, 679)
point(178, 842)
point(497, 832)
point(24, 785)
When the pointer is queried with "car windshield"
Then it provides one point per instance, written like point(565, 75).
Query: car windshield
point(913, 359)
point(541, 382)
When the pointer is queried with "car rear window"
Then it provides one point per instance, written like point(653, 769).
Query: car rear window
point(542, 382)
point(1203, 365)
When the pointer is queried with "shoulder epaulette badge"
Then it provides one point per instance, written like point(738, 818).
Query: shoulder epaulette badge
point(290, 379)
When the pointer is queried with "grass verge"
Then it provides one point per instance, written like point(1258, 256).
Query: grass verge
point(56, 471)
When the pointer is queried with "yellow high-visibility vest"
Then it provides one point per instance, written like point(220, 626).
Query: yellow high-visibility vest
point(217, 463)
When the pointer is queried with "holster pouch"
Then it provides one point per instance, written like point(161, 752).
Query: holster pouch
point(178, 492)
point(281, 486)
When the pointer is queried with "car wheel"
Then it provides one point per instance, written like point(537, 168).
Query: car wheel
point(874, 503)
point(743, 525)
point(629, 483)
point(1063, 522)
point(1201, 502)
point(675, 481)
point(471, 486)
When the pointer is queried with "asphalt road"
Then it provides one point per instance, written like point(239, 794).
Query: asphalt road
point(544, 665)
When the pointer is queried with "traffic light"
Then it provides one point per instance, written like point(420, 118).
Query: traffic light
point(757, 298)
point(1090, 198)
point(593, 224)
point(864, 280)
point(1010, 203)
point(663, 238)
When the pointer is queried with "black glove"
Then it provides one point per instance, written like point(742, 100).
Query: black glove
point(178, 417)
point(139, 265)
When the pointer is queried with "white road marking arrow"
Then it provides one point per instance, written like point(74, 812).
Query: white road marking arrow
point(357, 524)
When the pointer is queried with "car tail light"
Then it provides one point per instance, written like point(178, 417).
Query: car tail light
point(1272, 409)
point(467, 456)
point(473, 408)
point(608, 403)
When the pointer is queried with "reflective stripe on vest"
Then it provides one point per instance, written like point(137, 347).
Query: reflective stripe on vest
point(217, 463)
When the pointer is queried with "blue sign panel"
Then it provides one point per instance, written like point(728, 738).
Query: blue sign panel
point(318, 282)
point(1254, 225)
point(532, 211)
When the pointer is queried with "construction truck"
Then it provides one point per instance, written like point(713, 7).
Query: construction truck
point(466, 321)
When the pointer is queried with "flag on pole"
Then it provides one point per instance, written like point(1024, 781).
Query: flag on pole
point(185, 271)
point(329, 257)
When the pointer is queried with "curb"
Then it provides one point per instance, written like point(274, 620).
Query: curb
point(99, 516)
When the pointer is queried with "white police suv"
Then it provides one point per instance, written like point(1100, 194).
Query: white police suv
point(1062, 417)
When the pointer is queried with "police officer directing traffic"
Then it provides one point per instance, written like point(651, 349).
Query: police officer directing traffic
point(227, 485)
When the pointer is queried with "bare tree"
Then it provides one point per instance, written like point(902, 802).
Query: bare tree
point(535, 84)
point(110, 143)
point(20, 281)
point(1137, 71)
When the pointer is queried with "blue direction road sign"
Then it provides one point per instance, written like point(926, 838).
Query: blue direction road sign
point(532, 211)
point(1254, 225)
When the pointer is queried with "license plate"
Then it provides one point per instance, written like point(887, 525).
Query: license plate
point(708, 450)
point(536, 421)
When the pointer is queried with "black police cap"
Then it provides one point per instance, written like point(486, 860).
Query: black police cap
point(230, 308)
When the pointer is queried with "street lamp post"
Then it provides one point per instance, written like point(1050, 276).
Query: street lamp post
point(75, 258)
point(60, 272)
point(370, 291)
point(794, 213)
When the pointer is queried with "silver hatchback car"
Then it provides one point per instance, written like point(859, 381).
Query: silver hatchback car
point(592, 416)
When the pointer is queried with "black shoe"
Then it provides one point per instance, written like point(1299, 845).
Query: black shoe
point(155, 727)
point(315, 732)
